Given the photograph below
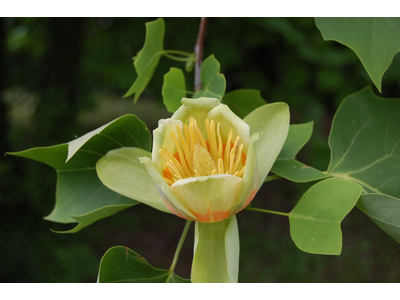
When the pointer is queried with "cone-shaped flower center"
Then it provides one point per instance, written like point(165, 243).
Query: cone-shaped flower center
point(197, 156)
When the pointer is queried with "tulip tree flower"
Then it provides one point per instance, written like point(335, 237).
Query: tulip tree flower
point(207, 164)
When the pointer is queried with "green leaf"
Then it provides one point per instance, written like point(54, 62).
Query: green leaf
point(384, 211)
point(120, 264)
point(243, 101)
point(298, 136)
point(174, 89)
point(296, 171)
point(288, 167)
point(271, 121)
point(315, 221)
point(365, 142)
point(375, 40)
point(121, 171)
point(214, 83)
point(80, 195)
point(148, 58)
point(216, 252)
point(95, 215)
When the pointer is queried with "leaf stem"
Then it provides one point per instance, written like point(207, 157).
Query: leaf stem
point(183, 53)
point(184, 59)
point(268, 211)
point(179, 247)
point(272, 177)
point(198, 49)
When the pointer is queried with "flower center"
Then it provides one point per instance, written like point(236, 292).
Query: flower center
point(196, 156)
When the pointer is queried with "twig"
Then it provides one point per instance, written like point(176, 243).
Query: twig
point(198, 49)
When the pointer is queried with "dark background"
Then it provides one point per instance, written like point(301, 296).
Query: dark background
point(63, 77)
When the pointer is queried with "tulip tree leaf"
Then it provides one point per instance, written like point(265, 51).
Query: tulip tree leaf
point(296, 171)
point(384, 210)
point(95, 215)
point(121, 171)
point(214, 83)
point(80, 195)
point(148, 58)
point(216, 252)
point(271, 121)
point(174, 89)
point(365, 142)
point(315, 220)
point(375, 40)
point(298, 136)
point(286, 165)
point(243, 101)
point(122, 265)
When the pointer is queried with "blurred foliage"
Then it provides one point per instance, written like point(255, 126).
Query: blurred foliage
point(61, 78)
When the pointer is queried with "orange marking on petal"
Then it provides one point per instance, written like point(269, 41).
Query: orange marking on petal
point(220, 215)
point(176, 155)
point(212, 217)
point(244, 157)
point(167, 173)
point(177, 212)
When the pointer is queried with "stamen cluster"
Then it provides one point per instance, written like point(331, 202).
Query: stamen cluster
point(197, 156)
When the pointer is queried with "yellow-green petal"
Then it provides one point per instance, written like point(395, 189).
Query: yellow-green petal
point(250, 177)
point(121, 171)
point(165, 191)
point(222, 114)
point(162, 138)
point(209, 198)
point(271, 121)
point(197, 108)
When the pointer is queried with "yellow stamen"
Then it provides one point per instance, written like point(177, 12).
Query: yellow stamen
point(192, 135)
point(173, 168)
point(181, 156)
point(232, 155)
point(185, 147)
point(220, 166)
point(208, 134)
point(169, 181)
point(220, 146)
point(228, 149)
point(238, 157)
point(199, 135)
point(214, 141)
point(240, 174)
point(173, 161)
point(196, 156)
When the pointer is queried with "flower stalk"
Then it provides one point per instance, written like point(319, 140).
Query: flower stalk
point(179, 247)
